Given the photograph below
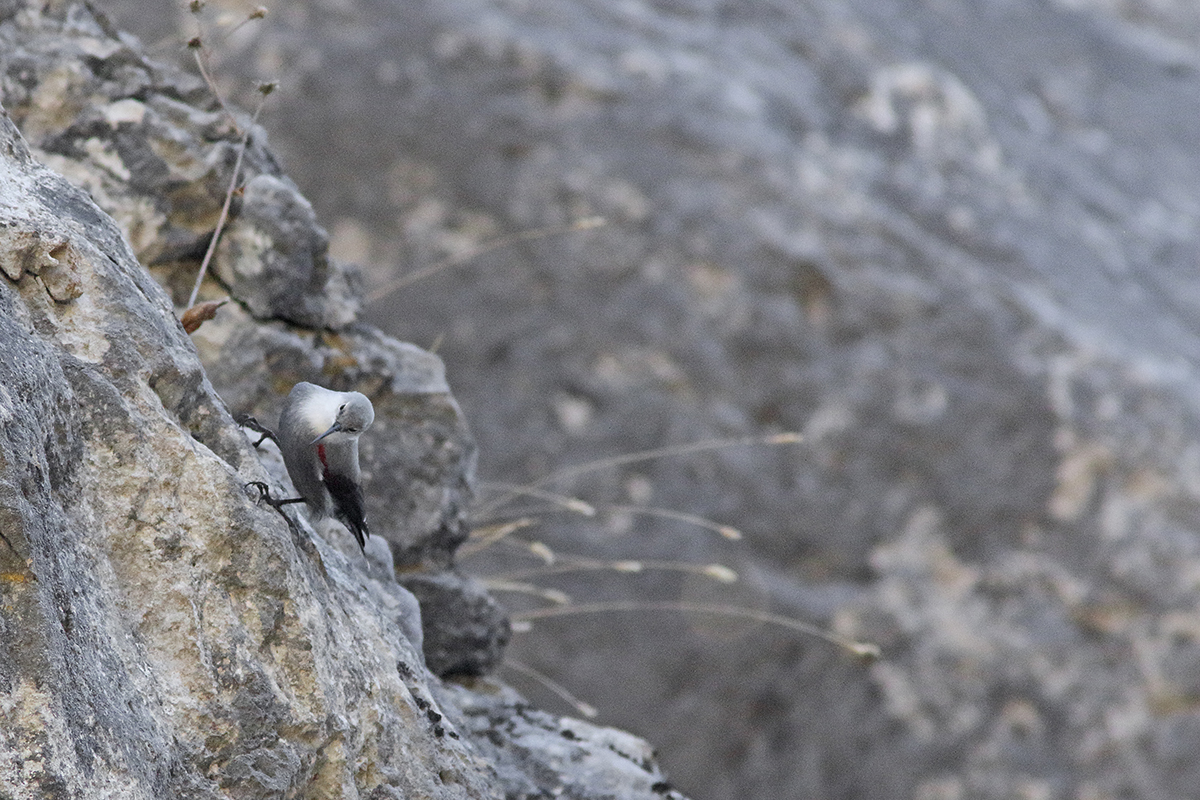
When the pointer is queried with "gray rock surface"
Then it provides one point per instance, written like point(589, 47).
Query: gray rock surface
point(467, 629)
point(151, 147)
point(954, 242)
point(162, 633)
point(575, 755)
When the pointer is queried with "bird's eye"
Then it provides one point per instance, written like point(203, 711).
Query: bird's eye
point(341, 408)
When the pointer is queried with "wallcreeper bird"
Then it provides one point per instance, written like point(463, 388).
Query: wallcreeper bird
point(318, 436)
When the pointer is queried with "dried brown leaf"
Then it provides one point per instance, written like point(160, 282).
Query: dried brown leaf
point(200, 313)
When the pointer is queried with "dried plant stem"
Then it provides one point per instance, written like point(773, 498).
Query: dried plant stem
point(575, 505)
point(200, 53)
point(257, 14)
point(486, 247)
point(717, 572)
point(553, 595)
point(865, 650)
point(643, 455)
point(671, 450)
point(513, 490)
point(583, 708)
point(727, 531)
point(233, 184)
point(484, 537)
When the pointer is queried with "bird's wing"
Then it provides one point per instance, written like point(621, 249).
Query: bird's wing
point(295, 441)
point(348, 504)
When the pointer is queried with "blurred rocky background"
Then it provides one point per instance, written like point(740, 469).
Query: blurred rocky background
point(953, 242)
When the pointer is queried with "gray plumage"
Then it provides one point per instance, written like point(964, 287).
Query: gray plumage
point(318, 435)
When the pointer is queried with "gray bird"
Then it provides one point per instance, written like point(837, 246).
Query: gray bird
point(318, 436)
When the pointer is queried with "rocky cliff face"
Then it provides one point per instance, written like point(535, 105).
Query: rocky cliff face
point(953, 241)
point(163, 633)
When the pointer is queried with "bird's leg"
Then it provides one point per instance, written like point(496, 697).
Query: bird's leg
point(247, 421)
point(264, 496)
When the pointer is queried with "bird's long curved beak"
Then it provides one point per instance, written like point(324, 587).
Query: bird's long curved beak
point(334, 428)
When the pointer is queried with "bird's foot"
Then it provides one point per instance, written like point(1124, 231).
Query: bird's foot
point(247, 421)
point(264, 496)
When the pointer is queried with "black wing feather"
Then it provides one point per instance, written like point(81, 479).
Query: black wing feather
point(348, 506)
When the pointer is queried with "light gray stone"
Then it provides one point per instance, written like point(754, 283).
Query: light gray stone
point(163, 635)
point(162, 632)
point(156, 153)
point(955, 242)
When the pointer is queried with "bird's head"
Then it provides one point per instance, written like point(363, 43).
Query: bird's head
point(354, 415)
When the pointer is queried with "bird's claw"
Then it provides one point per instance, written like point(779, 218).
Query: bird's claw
point(264, 491)
point(264, 496)
point(247, 421)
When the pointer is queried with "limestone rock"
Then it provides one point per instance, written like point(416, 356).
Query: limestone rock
point(467, 630)
point(955, 242)
point(151, 146)
point(528, 746)
point(162, 633)
point(156, 153)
